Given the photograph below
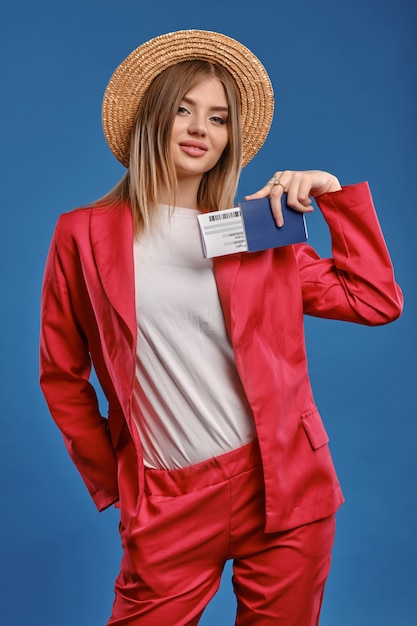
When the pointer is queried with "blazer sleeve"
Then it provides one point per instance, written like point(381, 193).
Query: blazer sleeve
point(358, 283)
point(65, 368)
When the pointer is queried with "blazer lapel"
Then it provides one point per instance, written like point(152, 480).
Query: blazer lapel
point(225, 271)
point(112, 243)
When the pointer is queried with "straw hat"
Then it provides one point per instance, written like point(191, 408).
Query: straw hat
point(132, 78)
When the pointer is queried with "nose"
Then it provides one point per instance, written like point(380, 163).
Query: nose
point(197, 127)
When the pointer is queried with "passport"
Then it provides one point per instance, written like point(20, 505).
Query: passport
point(250, 227)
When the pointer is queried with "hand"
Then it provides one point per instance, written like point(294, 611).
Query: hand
point(299, 187)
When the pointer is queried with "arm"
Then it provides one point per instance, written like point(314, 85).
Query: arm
point(65, 368)
point(358, 283)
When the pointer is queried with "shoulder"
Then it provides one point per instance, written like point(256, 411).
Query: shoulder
point(79, 221)
point(83, 214)
point(76, 218)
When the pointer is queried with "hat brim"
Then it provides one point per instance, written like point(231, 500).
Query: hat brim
point(134, 75)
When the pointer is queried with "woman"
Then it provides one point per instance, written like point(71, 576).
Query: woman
point(213, 447)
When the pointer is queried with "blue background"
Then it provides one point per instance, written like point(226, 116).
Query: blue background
point(345, 81)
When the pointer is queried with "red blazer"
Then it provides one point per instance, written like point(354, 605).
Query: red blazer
point(88, 315)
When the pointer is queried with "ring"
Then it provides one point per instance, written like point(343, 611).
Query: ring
point(278, 182)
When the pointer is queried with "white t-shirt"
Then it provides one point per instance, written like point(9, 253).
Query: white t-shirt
point(189, 404)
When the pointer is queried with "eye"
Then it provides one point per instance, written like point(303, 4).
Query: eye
point(182, 110)
point(219, 120)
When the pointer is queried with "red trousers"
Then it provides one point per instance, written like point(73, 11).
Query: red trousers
point(191, 522)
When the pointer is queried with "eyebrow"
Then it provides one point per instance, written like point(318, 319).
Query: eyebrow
point(213, 108)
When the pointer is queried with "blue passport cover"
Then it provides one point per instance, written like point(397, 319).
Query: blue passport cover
point(261, 230)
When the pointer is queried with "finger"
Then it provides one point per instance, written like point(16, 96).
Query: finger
point(279, 188)
point(299, 203)
point(262, 193)
point(303, 205)
point(292, 189)
point(306, 190)
point(276, 207)
point(299, 194)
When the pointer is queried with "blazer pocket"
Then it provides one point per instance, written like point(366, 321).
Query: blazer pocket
point(314, 428)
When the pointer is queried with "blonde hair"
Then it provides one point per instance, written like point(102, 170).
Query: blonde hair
point(150, 163)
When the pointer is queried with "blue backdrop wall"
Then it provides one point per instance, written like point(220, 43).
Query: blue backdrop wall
point(345, 79)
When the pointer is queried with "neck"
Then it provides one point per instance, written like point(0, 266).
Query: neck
point(186, 195)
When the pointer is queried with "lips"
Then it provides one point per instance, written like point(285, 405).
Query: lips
point(194, 148)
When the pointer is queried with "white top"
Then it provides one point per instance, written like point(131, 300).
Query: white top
point(188, 403)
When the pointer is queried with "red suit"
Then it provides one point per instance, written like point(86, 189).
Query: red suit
point(88, 313)
point(179, 531)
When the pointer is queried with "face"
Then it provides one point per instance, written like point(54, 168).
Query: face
point(200, 131)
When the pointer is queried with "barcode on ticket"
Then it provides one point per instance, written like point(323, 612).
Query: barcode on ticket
point(224, 216)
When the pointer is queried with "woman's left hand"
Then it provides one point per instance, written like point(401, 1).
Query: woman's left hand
point(300, 187)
